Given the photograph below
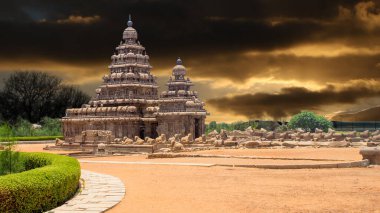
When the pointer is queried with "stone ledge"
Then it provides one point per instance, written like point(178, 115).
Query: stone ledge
point(362, 163)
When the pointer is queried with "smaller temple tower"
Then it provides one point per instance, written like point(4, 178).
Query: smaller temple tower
point(181, 111)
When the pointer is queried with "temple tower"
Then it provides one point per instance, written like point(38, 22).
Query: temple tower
point(127, 99)
point(181, 111)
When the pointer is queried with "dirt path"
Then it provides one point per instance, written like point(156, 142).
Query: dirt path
point(170, 188)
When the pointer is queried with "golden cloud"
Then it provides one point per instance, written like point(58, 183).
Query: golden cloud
point(368, 14)
point(74, 19)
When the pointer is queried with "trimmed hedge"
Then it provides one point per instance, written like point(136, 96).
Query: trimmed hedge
point(50, 181)
point(31, 138)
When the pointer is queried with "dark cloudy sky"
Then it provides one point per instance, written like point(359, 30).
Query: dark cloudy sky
point(250, 59)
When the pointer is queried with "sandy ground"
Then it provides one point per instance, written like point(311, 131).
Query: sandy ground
point(167, 188)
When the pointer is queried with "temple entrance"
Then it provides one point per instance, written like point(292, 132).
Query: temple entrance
point(196, 128)
point(142, 132)
point(154, 133)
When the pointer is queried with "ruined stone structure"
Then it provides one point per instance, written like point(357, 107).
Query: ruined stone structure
point(128, 105)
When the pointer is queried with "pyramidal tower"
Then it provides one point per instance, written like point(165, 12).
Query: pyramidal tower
point(127, 102)
point(181, 110)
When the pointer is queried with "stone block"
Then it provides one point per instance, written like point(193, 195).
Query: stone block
point(372, 154)
point(251, 144)
point(265, 143)
point(289, 144)
point(306, 143)
point(230, 143)
point(276, 143)
point(373, 144)
point(338, 144)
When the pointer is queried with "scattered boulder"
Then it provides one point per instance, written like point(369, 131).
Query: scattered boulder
point(269, 136)
point(373, 144)
point(375, 138)
point(350, 134)
point(218, 143)
point(377, 132)
point(330, 130)
point(223, 135)
point(318, 130)
point(372, 154)
point(306, 136)
point(213, 133)
point(364, 134)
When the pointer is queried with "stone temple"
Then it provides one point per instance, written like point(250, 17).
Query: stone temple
point(127, 104)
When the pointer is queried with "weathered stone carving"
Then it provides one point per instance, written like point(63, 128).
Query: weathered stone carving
point(187, 139)
point(161, 139)
point(201, 139)
point(150, 140)
point(138, 141)
point(127, 140)
point(59, 142)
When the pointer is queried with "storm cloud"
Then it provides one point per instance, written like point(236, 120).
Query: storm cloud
point(292, 100)
point(249, 52)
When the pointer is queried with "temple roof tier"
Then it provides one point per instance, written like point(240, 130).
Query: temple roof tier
point(125, 101)
point(130, 65)
point(180, 83)
point(108, 118)
point(130, 46)
point(152, 85)
point(204, 113)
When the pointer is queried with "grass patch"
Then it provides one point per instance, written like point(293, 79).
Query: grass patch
point(49, 181)
point(31, 138)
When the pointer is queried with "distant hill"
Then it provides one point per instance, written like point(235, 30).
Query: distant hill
point(371, 114)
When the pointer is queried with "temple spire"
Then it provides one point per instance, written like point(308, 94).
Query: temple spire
point(130, 23)
point(179, 61)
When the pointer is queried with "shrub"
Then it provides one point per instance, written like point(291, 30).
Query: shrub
point(309, 121)
point(9, 158)
point(282, 128)
point(51, 180)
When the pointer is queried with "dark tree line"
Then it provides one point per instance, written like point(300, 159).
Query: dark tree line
point(34, 95)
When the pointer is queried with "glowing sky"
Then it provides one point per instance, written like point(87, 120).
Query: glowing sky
point(253, 59)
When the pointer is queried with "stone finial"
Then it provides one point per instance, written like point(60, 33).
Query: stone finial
point(130, 23)
point(179, 61)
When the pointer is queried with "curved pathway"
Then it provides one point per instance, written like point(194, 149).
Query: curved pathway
point(99, 192)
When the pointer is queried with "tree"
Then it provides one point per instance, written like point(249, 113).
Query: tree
point(34, 95)
point(309, 121)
